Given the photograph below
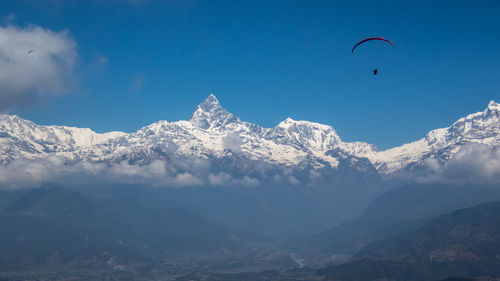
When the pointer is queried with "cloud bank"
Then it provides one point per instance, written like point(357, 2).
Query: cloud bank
point(473, 163)
point(28, 173)
point(34, 63)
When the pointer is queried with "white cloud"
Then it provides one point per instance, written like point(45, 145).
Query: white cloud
point(276, 179)
point(34, 63)
point(473, 163)
point(313, 175)
point(186, 179)
point(225, 179)
point(26, 173)
point(293, 180)
point(219, 179)
point(248, 181)
point(233, 142)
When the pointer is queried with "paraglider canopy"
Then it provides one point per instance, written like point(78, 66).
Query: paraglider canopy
point(370, 39)
point(375, 71)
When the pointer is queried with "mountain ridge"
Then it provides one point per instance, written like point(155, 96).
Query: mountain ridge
point(212, 132)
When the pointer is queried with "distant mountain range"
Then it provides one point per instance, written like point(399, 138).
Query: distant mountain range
point(400, 210)
point(237, 152)
point(463, 243)
point(57, 231)
point(459, 246)
point(54, 233)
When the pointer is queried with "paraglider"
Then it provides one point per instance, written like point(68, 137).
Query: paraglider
point(375, 71)
point(370, 39)
point(32, 54)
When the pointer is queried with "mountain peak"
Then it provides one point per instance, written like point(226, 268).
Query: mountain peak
point(211, 103)
point(493, 105)
point(492, 111)
point(210, 114)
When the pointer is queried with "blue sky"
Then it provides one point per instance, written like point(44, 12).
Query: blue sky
point(143, 61)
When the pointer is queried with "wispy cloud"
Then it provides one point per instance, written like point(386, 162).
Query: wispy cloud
point(34, 63)
point(10, 19)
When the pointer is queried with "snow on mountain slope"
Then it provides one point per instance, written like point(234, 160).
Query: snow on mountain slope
point(23, 138)
point(210, 115)
point(214, 133)
point(442, 144)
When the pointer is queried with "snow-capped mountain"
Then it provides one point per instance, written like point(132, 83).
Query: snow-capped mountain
point(21, 138)
point(442, 144)
point(214, 133)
